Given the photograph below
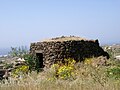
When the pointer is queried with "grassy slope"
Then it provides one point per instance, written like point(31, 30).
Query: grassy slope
point(87, 78)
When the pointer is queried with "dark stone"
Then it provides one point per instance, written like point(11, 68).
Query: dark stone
point(76, 49)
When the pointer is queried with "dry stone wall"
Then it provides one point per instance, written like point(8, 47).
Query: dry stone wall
point(58, 51)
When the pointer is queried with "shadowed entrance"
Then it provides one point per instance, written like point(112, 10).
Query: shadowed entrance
point(39, 60)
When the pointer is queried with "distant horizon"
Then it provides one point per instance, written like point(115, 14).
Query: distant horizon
point(6, 50)
point(28, 46)
point(39, 40)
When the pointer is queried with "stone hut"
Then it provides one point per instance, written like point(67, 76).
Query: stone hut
point(57, 49)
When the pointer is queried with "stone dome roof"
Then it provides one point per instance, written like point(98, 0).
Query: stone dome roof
point(64, 38)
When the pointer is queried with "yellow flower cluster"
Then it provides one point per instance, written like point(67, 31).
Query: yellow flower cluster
point(55, 66)
point(21, 70)
point(70, 62)
point(88, 61)
point(66, 70)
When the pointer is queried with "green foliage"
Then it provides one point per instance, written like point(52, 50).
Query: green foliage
point(114, 73)
point(67, 76)
point(33, 62)
point(30, 60)
point(115, 63)
point(18, 51)
point(7, 66)
point(37, 65)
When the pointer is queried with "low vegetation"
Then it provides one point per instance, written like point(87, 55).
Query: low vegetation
point(67, 76)
point(91, 74)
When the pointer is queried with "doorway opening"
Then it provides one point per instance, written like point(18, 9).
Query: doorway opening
point(39, 60)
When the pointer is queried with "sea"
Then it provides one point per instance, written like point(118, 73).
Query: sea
point(4, 51)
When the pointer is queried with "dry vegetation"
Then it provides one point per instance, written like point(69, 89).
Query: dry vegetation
point(64, 38)
point(86, 76)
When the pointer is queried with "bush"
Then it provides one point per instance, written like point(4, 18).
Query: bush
point(99, 61)
point(114, 73)
point(66, 70)
point(88, 61)
point(33, 62)
point(30, 61)
point(20, 71)
point(7, 66)
point(18, 51)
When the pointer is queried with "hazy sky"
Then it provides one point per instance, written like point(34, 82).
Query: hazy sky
point(26, 21)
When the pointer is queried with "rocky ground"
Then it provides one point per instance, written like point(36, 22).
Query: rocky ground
point(7, 64)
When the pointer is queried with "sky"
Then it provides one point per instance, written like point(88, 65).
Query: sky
point(25, 21)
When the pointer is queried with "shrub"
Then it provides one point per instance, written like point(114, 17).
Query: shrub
point(99, 61)
point(20, 71)
point(30, 61)
point(7, 66)
point(18, 51)
point(66, 70)
point(88, 61)
point(33, 62)
point(114, 73)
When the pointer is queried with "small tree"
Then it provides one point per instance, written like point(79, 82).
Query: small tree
point(30, 60)
point(33, 62)
point(18, 51)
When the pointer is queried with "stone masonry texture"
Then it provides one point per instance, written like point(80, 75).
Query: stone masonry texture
point(57, 50)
